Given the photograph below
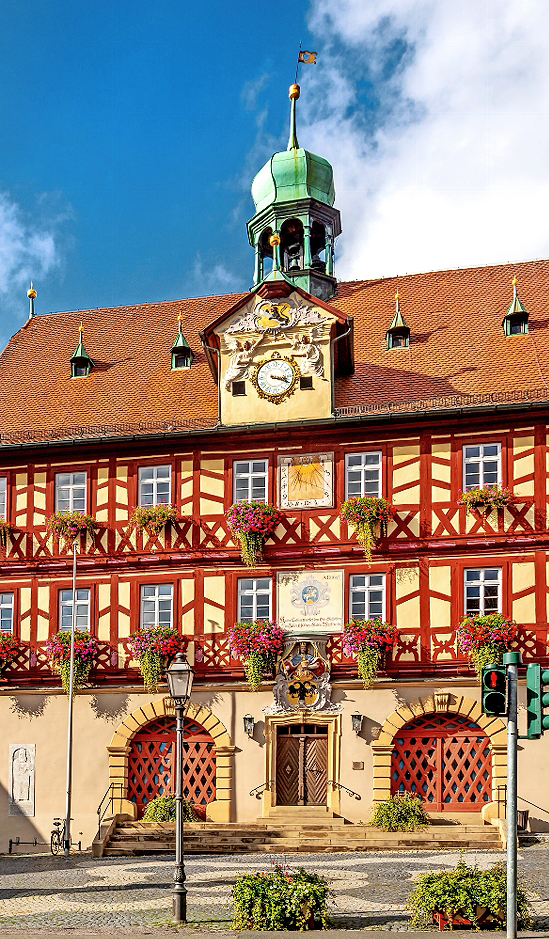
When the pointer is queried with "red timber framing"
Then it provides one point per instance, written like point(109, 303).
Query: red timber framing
point(429, 545)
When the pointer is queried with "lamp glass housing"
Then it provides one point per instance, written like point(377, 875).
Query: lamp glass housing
point(356, 721)
point(249, 723)
point(180, 679)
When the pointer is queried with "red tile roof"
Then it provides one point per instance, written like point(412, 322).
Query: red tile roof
point(457, 346)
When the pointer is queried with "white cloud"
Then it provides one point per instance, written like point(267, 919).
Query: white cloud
point(28, 251)
point(446, 164)
point(209, 279)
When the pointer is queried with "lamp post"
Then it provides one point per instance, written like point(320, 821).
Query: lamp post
point(180, 681)
point(67, 838)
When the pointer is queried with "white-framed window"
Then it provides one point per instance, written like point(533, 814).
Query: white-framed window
point(157, 605)
point(250, 480)
point(483, 590)
point(82, 610)
point(481, 465)
point(6, 612)
point(254, 599)
point(3, 497)
point(367, 596)
point(70, 492)
point(362, 474)
point(155, 485)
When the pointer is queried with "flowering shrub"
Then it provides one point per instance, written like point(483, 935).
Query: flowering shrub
point(367, 641)
point(9, 649)
point(154, 647)
point(58, 649)
point(252, 523)
point(69, 525)
point(280, 900)
point(162, 809)
point(486, 499)
point(153, 518)
point(366, 514)
point(484, 639)
point(258, 644)
point(5, 529)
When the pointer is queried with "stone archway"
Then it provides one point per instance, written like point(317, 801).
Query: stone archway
point(220, 809)
point(442, 703)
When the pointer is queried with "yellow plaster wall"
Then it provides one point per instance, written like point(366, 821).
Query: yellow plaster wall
point(102, 494)
point(123, 618)
point(187, 596)
point(212, 486)
point(440, 472)
point(104, 624)
point(214, 589)
point(523, 465)
point(39, 516)
point(407, 611)
point(21, 498)
point(186, 488)
point(42, 629)
point(440, 610)
point(406, 475)
point(524, 578)
point(122, 511)
point(24, 607)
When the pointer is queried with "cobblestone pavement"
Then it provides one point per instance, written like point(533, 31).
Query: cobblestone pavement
point(370, 889)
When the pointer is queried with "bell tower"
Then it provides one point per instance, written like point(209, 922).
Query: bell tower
point(294, 197)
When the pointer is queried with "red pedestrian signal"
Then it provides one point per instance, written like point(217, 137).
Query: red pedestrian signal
point(494, 690)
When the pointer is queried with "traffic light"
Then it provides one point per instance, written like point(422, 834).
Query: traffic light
point(537, 679)
point(494, 690)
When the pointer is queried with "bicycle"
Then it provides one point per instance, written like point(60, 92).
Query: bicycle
point(57, 839)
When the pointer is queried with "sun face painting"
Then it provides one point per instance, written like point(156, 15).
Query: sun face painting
point(306, 481)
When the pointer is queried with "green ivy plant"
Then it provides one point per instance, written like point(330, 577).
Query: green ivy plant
point(468, 892)
point(400, 813)
point(162, 809)
point(280, 900)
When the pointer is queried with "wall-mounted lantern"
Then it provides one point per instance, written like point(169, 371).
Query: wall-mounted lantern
point(249, 724)
point(356, 721)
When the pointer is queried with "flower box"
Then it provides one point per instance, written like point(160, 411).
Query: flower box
point(370, 518)
point(86, 649)
point(252, 523)
point(484, 639)
point(485, 500)
point(368, 641)
point(70, 525)
point(152, 519)
point(258, 644)
point(154, 647)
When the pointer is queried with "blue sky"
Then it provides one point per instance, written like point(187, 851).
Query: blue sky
point(131, 132)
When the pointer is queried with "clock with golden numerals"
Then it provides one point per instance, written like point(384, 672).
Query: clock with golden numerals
point(275, 378)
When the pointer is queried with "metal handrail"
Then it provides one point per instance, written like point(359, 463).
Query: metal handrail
point(332, 782)
point(107, 799)
point(259, 789)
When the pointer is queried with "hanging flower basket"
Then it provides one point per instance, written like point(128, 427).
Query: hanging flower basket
point(70, 525)
point(485, 500)
point(58, 650)
point(257, 644)
point(484, 639)
point(370, 518)
point(154, 647)
point(9, 650)
point(152, 519)
point(252, 523)
point(368, 641)
point(5, 529)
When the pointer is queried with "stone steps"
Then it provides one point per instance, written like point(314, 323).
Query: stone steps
point(268, 836)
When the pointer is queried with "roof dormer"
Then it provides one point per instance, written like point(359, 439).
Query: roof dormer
point(515, 321)
point(398, 334)
point(81, 364)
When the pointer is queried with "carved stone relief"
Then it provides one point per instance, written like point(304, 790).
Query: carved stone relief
point(21, 779)
point(303, 679)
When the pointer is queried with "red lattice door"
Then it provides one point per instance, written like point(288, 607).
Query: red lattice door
point(447, 761)
point(151, 771)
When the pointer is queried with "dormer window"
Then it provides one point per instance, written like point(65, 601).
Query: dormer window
point(398, 334)
point(81, 364)
point(515, 321)
point(182, 354)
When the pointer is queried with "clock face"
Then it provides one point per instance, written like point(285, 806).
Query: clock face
point(276, 379)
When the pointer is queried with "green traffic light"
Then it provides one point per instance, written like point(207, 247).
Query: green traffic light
point(537, 699)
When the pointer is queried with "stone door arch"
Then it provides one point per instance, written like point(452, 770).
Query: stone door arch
point(219, 810)
point(442, 703)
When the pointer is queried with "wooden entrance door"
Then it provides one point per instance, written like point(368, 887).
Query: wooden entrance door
point(302, 765)
point(151, 764)
point(446, 761)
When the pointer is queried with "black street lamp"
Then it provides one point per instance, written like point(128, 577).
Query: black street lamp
point(180, 681)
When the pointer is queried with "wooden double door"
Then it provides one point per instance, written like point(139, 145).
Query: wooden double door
point(302, 764)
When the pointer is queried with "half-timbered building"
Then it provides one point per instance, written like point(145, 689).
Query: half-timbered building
point(302, 392)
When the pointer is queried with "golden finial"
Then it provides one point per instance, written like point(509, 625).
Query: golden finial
point(180, 318)
point(274, 240)
point(397, 298)
point(514, 281)
point(31, 293)
point(81, 328)
point(294, 92)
